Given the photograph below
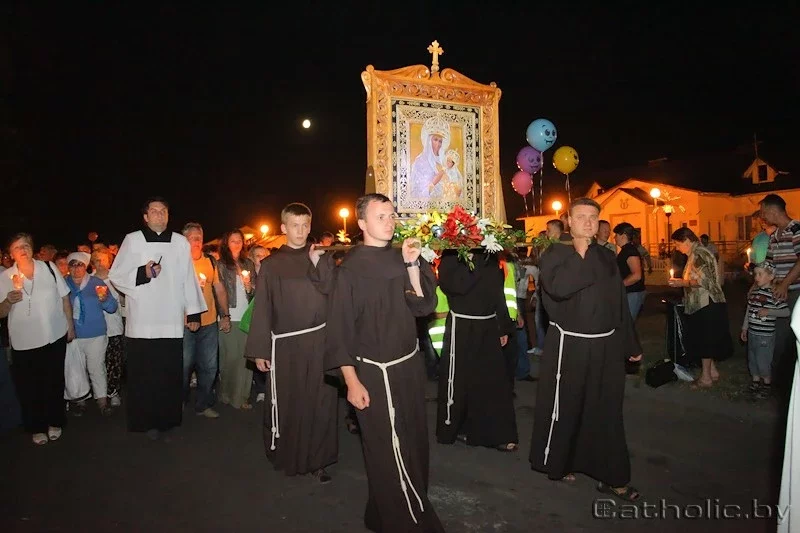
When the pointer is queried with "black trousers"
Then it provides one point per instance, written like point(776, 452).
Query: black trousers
point(155, 383)
point(39, 375)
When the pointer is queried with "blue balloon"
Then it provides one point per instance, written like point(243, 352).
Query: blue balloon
point(541, 134)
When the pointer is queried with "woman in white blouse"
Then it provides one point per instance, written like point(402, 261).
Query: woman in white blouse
point(36, 301)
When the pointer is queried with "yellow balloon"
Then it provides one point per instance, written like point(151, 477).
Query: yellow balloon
point(565, 159)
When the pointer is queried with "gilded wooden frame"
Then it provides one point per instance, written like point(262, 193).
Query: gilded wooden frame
point(450, 95)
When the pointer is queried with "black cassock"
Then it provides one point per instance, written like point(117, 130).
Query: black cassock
point(291, 298)
point(482, 402)
point(583, 296)
point(372, 320)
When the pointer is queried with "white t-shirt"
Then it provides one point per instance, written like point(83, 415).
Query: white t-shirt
point(39, 319)
point(241, 301)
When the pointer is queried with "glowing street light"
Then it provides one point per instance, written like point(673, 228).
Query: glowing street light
point(556, 205)
point(306, 124)
point(344, 213)
point(655, 192)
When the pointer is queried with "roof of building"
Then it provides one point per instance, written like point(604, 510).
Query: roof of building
point(722, 172)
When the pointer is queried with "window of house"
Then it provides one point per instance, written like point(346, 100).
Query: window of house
point(763, 174)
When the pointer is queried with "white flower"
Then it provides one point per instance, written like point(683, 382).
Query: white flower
point(482, 223)
point(424, 218)
point(427, 254)
point(490, 243)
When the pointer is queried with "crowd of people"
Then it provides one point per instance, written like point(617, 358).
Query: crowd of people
point(162, 314)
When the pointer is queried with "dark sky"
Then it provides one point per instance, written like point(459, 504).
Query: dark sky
point(203, 104)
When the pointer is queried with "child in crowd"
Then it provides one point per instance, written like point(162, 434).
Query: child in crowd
point(758, 328)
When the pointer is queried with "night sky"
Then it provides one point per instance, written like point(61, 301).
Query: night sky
point(203, 104)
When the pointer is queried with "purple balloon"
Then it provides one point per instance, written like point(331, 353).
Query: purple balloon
point(529, 160)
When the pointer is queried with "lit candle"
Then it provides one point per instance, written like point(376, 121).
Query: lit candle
point(202, 278)
point(671, 273)
point(101, 291)
point(246, 276)
point(748, 255)
point(17, 280)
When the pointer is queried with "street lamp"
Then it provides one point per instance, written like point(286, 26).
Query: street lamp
point(655, 194)
point(668, 210)
point(556, 205)
point(344, 213)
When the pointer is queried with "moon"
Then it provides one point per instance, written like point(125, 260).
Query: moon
point(306, 123)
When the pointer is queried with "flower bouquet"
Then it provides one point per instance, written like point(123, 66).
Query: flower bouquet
point(458, 230)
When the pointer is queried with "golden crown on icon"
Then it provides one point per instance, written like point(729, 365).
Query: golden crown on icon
point(436, 125)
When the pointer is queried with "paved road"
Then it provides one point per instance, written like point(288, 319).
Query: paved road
point(687, 449)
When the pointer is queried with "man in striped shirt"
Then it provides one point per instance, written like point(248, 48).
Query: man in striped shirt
point(783, 252)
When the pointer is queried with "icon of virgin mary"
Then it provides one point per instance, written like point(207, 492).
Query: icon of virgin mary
point(430, 164)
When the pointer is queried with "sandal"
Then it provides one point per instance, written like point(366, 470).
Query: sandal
point(507, 448)
point(628, 494)
point(246, 406)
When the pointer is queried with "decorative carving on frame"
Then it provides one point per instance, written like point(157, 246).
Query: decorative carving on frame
point(409, 106)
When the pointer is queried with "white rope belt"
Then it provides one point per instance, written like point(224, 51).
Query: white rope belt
point(273, 378)
point(564, 333)
point(402, 473)
point(451, 374)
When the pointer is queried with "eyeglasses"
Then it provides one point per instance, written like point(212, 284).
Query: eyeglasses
point(77, 265)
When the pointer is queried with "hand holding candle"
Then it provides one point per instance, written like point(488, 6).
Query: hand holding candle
point(17, 280)
point(246, 279)
point(202, 278)
point(102, 292)
point(748, 255)
point(671, 273)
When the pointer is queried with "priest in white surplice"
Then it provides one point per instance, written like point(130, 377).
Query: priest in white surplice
point(790, 480)
point(154, 270)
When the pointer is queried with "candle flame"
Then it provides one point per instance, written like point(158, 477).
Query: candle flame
point(202, 276)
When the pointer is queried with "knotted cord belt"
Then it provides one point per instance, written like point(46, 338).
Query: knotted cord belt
point(451, 374)
point(402, 473)
point(273, 378)
point(561, 334)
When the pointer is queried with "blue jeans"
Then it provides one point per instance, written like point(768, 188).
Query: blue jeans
point(635, 302)
point(523, 361)
point(200, 351)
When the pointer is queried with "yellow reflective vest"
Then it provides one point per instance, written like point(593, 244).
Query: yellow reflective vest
point(436, 325)
point(510, 289)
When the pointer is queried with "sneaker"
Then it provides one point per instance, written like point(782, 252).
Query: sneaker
point(115, 401)
point(531, 350)
point(39, 439)
point(53, 433)
point(322, 476)
point(260, 397)
point(208, 413)
point(538, 351)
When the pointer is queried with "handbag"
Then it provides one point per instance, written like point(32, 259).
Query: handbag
point(247, 317)
point(76, 378)
point(660, 373)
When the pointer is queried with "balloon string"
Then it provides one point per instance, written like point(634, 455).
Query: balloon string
point(569, 197)
point(525, 199)
point(541, 173)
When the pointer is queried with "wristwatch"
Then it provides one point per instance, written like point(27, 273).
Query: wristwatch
point(225, 316)
point(415, 263)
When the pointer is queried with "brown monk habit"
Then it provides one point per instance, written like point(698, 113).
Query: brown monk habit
point(291, 303)
point(372, 320)
point(583, 296)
